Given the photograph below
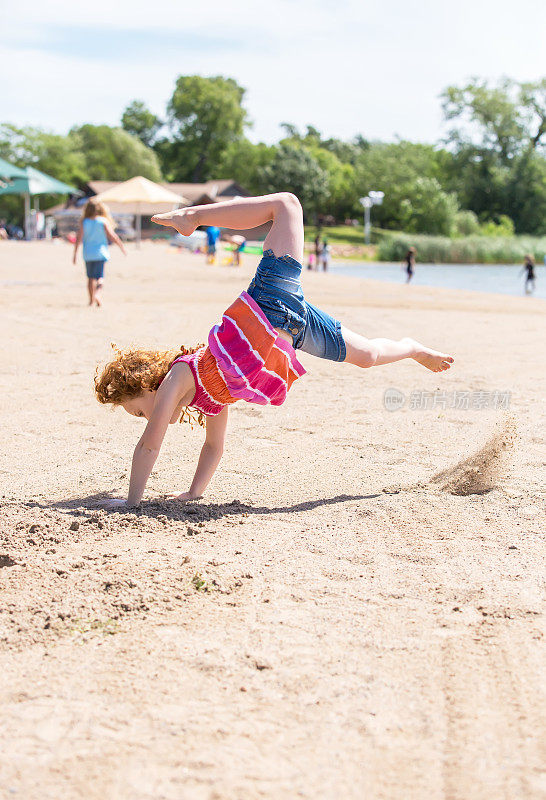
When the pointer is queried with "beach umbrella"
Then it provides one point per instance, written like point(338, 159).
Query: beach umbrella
point(33, 182)
point(140, 191)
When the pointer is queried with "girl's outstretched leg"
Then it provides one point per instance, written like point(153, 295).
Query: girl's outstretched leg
point(91, 290)
point(374, 352)
point(283, 210)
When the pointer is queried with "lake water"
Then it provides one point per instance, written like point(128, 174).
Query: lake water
point(495, 278)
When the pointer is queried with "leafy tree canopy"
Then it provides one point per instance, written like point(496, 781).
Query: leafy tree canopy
point(428, 209)
point(205, 116)
point(504, 118)
point(294, 169)
point(394, 170)
point(49, 152)
point(113, 154)
point(244, 162)
point(139, 121)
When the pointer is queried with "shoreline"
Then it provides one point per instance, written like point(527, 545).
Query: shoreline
point(360, 270)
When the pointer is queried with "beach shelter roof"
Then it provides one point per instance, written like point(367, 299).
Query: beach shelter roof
point(8, 171)
point(141, 194)
point(140, 190)
point(35, 182)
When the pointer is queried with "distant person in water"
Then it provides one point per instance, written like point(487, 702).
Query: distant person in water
point(96, 230)
point(529, 268)
point(409, 263)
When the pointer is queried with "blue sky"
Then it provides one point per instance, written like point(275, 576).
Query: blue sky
point(347, 67)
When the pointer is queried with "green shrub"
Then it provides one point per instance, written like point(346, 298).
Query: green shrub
point(466, 223)
point(464, 250)
point(504, 227)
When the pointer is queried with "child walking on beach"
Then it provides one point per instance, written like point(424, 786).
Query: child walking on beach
point(250, 355)
point(95, 231)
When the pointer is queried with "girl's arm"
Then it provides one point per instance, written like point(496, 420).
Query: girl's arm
point(176, 385)
point(113, 237)
point(78, 241)
point(210, 456)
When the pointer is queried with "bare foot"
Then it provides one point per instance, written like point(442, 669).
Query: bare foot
point(431, 359)
point(184, 220)
point(98, 302)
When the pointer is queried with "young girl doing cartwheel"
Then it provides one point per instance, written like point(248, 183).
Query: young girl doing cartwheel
point(250, 355)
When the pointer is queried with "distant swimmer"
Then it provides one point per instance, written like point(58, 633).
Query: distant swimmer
point(529, 268)
point(409, 263)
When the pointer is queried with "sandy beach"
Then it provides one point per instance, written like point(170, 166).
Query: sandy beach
point(329, 621)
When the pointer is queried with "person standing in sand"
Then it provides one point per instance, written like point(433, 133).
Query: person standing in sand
point(318, 249)
point(239, 243)
point(213, 234)
point(325, 255)
point(95, 231)
point(251, 354)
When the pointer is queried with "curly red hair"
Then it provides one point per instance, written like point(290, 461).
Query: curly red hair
point(134, 371)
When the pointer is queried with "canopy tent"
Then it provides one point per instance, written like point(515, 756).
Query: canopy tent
point(139, 192)
point(8, 172)
point(34, 183)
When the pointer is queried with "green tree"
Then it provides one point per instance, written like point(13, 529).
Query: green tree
point(205, 116)
point(245, 162)
point(532, 97)
point(46, 151)
point(49, 152)
point(505, 118)
point(113, 154)
point(337, 159)
point(466, 224)
point(526, 192)
point(498, 135)
point(394, 170)
point(485, 117)
point(480, 180)
point(429, 209)
point(342, 195)
point(294, 169)
point(139, 121)
point(346, 152)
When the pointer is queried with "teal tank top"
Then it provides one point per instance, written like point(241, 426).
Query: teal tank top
point(95, 241)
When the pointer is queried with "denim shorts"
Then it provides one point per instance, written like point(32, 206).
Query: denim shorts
point(95, 269)
point(276, 288)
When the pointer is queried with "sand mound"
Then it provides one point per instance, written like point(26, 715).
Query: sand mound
point(482, 471)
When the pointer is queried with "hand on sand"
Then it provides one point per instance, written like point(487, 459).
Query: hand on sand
point(183, 220)
point(184, 496)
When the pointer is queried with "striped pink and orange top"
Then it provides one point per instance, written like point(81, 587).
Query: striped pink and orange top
point(246, 359)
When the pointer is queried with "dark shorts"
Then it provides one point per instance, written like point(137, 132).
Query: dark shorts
point(276, 288)
point(95, 269)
